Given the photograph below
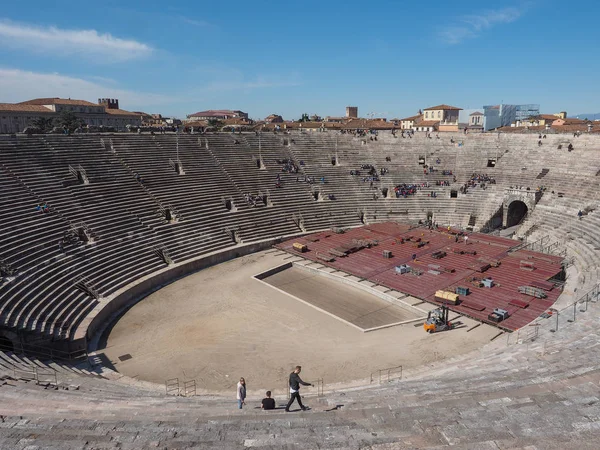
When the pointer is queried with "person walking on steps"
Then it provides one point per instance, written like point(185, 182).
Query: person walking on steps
point(241, 393)
point(295, 382)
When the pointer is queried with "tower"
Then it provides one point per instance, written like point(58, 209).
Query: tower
point(109, 103)
point(352, 112)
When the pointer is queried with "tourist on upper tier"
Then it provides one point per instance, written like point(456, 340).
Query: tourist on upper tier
point(579, 214)
point(241, 393)
point(268, 402)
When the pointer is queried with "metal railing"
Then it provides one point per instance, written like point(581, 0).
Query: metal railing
point(41, 375)
point(45, 352)
point(189, 388)
point(172, 386)
point(317, 385)
point(554, 320)
point(387, 375)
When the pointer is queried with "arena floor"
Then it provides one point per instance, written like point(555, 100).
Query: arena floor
point(221, 323)
point(348, 303)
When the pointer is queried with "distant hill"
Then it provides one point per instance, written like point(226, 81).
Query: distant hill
point(590, 116)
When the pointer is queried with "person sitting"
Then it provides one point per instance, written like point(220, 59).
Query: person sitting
point(268, 402)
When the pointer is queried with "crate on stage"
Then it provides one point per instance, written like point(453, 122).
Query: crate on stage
point(461, 290)
point(498, 315)
point(404, 268)
point(533, 291)
point(446, 297)
point(300, 247)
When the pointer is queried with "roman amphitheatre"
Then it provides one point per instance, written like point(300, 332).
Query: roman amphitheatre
point(158, 269)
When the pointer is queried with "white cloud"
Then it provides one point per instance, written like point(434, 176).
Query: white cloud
point(101, 48)
point(471, 26)
point(19, 85)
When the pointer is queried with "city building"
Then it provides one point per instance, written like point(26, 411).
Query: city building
point(217, 114)
point(446, 117)
point(475, 121)
point(274, 118)
point(409, 122)
point(15, 117)
point(496, 116)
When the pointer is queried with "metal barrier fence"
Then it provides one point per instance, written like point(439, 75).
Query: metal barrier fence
point(387, 375)
point(172, 386)
point(42, 352)
point(554, 319)
point(317, 385)
point(41, 375)
point(189, 388)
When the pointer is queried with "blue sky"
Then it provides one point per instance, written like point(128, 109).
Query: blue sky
point(389, 58)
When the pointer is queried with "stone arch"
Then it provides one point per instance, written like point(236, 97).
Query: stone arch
point(517, 211)
point(8, 341)
point(516, 207)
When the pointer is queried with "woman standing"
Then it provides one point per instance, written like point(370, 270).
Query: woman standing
point(241, 393)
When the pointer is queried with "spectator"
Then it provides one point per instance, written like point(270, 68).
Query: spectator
point(295, 382)
point(268, 402)
point(241, 393)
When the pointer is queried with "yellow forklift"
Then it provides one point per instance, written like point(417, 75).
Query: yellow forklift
point(437, 320)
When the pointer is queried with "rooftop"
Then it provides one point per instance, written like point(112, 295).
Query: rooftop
point(58, 101)
point(24, 108)
point(476, 113)
point(216, 112)
point(444, 107)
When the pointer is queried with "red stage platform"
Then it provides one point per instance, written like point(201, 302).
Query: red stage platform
point(509, 268)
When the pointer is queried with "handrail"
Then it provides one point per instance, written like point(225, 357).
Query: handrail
point(386, 374)
point(172, 386)
point(41, 352)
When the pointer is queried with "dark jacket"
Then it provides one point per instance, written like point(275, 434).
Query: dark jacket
point(296, 381)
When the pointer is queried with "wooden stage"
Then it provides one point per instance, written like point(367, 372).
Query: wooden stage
point(510, 267)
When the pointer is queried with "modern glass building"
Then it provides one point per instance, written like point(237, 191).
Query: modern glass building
point(496, 116)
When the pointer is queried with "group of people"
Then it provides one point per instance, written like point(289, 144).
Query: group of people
point(404, 190)
point(477, 178)
point(288, 166)
point(442, 183)
point(42, 208)
point(268, 402)
point(253, 200)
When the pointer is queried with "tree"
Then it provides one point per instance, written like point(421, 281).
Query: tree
point(214, 123)
point(43, 124)
point(69, 120)
point(304, 118)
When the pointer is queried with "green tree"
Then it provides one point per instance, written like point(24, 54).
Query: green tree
point(68, 119)
point(304, 118)
point(215, 123)
point(42, 123)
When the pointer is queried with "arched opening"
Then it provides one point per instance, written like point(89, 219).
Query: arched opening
point(6, 344)
point(517, 211)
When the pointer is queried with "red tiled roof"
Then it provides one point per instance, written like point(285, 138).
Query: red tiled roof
point(18, 107)
point(428, 123)
point(58, 101)
point(412, 118)
point(215, 112)
point(121, 112)
point(444, 107)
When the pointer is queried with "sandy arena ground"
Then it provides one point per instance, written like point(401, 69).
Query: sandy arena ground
point(219, 324)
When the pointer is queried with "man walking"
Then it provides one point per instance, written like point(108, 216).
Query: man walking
point(295, 382)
